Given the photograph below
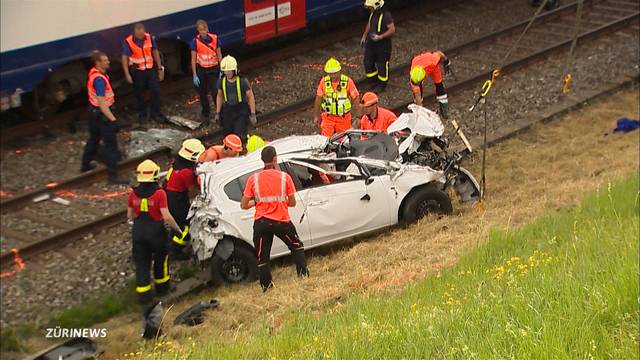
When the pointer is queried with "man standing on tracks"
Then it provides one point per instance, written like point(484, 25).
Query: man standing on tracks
point(181, 181)
point(376, 40)
point(140, 52)
point(375, 117)
point(428, 64)
point(147, 207)
point(236, 103)
point(205, 55)
point(272, 192)
point(102, 122)
point(335, 94)
point(231, 147)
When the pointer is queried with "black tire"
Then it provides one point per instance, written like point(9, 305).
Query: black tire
point(241, 266)
point(423, 201)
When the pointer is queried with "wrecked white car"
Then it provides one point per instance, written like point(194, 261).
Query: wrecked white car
point(346, 186)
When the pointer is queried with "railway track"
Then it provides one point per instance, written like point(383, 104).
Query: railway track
point(599, 18)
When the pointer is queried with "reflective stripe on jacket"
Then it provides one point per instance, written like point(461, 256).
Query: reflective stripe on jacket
point(206, 53)
point(141, 58)
point(109, 96)
point(336, 101)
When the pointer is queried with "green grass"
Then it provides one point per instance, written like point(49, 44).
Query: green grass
point(563, 287)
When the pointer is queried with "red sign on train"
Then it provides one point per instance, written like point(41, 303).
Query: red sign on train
point(264, 19)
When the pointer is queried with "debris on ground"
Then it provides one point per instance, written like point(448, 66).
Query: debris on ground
point(193, 316)
point(181, 121)
point(145, 141)
point(626, 125)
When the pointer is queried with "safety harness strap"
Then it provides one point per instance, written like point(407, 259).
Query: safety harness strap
point(238, 89)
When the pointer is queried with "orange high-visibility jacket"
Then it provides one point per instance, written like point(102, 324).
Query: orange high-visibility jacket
point(141, 58)
point(109, 96)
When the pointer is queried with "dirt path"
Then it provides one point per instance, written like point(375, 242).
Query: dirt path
point(548, 168)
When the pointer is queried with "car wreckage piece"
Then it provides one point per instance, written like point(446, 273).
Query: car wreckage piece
point(353, 183)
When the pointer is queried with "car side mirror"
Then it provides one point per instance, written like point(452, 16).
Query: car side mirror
point(368, 181)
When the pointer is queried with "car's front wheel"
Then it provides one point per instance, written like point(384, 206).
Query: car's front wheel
point(426, 200)
point(241, 266)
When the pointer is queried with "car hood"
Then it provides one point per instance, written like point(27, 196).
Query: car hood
point(420, 122)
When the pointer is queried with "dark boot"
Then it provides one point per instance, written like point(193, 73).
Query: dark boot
point(87, 167)
point(301, 263)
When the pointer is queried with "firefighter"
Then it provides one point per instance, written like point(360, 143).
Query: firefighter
point(231, 147)
point(147, 207)
point(376, 40)
point(180, 184)
point(271, 191)
point(236, 104)
point(102, 122)
point(428, 64)
point(143, 68)
point(335, 95)
point(205, 55)
point(375, 117)
point(254, 142)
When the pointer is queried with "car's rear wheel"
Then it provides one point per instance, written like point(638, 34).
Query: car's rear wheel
point(241, 266)
point(426, 200)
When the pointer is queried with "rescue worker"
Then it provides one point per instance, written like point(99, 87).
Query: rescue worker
point(375, 117)
point(143, 68)
point(231, 147)
point(147, 207)
point(428, 64)
point(236, 104)
point(102, 122)
point(271, 191)
point(180, 184)
point(205, 56)
point(254, 142)
point(335, 95)
point(376, 40)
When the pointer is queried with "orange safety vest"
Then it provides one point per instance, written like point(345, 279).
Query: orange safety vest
point(109, 96)
point(141, 58)
point(428, 61)
point(206, 54)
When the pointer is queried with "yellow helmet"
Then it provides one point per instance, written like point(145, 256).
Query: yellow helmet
point(332, 66)
point(229, 63)
point(417, 74)
point(148, 171)
point(374, 4)
point(191, 149)
point(254, 142)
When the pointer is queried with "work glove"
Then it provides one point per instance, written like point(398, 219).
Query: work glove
point(376, 37)
point(216, 118)
point(254, 119)
point(444, 110)
point(196, 80)
point(446, 65)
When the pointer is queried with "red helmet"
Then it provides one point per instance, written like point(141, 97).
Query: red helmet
point(232, 141)
point(369, 99)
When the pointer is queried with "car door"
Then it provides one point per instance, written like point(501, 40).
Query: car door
point(243, 219)
point(350, 204)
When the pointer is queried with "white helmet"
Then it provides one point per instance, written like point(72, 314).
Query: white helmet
point(229, 63)
point(374, 4)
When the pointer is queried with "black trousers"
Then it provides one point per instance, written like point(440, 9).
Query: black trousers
point(376, 60)
point(150, 245)
point(100, 128)
point(235, 119)
point(263, 232)
point(178, 204)
point(208, 83)
point(143, 80)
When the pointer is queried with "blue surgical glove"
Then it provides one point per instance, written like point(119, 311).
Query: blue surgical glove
point(196, 80)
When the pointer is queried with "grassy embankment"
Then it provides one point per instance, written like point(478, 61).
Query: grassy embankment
point(564, 286)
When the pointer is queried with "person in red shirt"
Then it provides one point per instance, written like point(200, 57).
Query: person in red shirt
point(181, 181)
point(147, 207)
point(272, 193)
point(334, 98)
point(375, 117)
point(428, 64)
point(231, 147)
